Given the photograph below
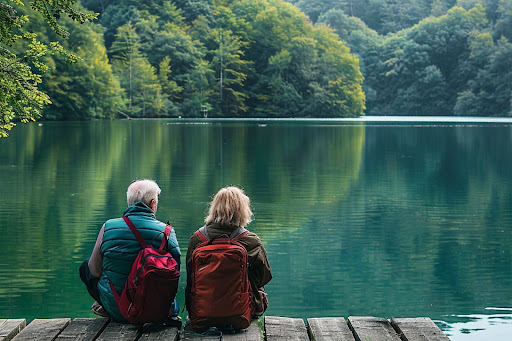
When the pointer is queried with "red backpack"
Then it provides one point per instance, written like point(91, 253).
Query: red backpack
point(220, 291)
point(152, 282)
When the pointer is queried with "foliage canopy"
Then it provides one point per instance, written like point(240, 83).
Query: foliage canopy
point(172, 58)
point(253, 58)
point(22, 57)
point(423, 57)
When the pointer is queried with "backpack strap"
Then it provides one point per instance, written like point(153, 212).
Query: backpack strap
point(114, 292)
point(165, 238)
point(141, 240)
point(235, 236)
point(238, 234)
point(203, 234)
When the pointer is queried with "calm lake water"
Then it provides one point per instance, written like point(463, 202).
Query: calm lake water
point(358, 217)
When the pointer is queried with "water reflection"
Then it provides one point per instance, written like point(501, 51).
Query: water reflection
point(391, 220)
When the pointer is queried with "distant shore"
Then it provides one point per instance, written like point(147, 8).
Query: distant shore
point(405, 119)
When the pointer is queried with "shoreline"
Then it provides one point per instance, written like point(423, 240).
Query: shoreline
point(376, 119)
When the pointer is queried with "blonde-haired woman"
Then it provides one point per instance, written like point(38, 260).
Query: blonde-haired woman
point(229, 214)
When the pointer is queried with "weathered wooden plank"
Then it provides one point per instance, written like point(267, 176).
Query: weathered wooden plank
point(119, 332)
point(372, 328)
point(253, 333)
point(285, 328)
point(42, 329)
point(418, 329)
point(156, 332)
point(11, 328)
point(329, 328)
point(83, 329)
point(189, 335)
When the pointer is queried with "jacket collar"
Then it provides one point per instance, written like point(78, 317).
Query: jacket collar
point(139, 208)
point(222, 227)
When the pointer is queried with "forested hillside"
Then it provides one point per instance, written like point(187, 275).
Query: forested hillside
point(221, 58)
point(427, 57)
point(266, 58)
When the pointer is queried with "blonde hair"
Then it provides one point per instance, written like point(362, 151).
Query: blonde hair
point(143, 190)
point(230, 206)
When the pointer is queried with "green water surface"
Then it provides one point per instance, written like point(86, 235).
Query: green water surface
point(358, 218)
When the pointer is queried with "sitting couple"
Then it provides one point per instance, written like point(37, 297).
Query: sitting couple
point(117, 248)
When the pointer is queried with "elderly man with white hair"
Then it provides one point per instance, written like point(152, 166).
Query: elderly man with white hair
point(116, 249)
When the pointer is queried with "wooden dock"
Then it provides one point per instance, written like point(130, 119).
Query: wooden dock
point(274, 329)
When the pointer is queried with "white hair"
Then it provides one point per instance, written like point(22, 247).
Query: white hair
point(143, 190)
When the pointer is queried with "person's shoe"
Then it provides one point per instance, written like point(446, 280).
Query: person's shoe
point(99, 310)
point(188, 325)
point(173, 321)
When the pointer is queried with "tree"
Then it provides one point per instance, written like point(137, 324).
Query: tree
point(504, 22)
point(363, 42)
point(489, 93)
point(20, 73)
point(292, 59)
point(467, 104)
point(88, 88)
point(170, 89)
point(114, 16)
point(195, 8)
point(314, 8)
point(231, 73)
point(339, 76)
point(173, 41)
point(199, 90)
point(500, 69)
point(430, 53)
point(439, 7)
point(284, 98)
point(137, 76)
point(396, 15)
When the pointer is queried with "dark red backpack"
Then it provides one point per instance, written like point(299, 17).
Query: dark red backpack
point(220, 291)
point(152, 282)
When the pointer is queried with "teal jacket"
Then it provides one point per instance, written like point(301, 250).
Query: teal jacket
point(120, 248)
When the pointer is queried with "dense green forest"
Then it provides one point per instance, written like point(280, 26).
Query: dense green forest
point(427, 57)
point(264, 58)
point(221, 58)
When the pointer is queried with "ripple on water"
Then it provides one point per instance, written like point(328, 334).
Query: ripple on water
point(478, 327)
